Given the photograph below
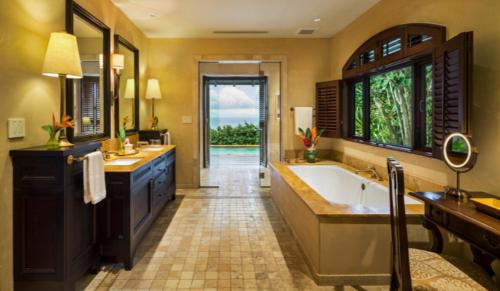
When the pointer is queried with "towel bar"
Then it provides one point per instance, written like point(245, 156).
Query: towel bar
point(70, 160)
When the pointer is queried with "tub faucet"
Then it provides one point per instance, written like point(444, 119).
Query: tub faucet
point(373, 173)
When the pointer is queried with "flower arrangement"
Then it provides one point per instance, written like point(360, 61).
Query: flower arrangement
point(56, 128)
point(122, 135)
point(154, 122)
point(310, 138)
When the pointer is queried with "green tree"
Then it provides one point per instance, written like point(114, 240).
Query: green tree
point(391, 107)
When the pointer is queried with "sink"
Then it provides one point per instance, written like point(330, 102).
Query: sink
point(151, 149)
point(122, 162)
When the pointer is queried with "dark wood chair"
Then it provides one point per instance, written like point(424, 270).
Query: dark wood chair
point(414, 269)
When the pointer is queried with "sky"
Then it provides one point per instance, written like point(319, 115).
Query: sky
point(232, 105)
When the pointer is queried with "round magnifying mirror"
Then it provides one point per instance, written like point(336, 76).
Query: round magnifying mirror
point(460, 155)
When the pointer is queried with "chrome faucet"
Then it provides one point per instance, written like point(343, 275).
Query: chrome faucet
point(373, 173)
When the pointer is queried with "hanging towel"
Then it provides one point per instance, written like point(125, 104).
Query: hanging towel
point(303, 118)
point(94, 183)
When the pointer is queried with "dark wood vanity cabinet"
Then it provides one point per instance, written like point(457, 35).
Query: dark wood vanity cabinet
point(55, 237)
point(134, 200)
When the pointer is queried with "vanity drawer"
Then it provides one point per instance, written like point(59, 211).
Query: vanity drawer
point(437, 215)
point(485, 240)
point(160, 185)
point(159, 166)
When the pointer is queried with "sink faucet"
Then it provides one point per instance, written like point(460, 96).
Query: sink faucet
point(373, 173)
point(107, 154)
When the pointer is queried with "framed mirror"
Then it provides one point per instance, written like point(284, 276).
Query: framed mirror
point(460, 155)
point(127, 85)
point(88, 99)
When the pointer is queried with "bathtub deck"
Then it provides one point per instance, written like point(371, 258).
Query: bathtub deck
point(324, 209)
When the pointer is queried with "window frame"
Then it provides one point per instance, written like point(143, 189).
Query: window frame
point(418, 120)
point(417, 55)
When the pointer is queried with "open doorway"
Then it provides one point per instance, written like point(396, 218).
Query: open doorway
point(239, 132)
point(235, 121)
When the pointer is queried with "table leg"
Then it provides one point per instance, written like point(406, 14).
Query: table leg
point(483, 259)
point(437, 238)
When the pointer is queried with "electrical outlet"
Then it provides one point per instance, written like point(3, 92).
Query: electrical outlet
point(16, 127)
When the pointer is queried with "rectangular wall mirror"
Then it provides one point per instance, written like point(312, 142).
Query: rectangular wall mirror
point(127, 86)
point(88, 99)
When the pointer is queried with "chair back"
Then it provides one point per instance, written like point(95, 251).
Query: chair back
point(400, 262)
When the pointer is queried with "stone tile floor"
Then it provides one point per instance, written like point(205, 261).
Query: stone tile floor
point(230, 238)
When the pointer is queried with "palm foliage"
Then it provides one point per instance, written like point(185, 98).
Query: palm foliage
point(242, 134)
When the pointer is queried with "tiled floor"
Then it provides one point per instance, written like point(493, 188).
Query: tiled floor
point(229, 238)
point(226, 169)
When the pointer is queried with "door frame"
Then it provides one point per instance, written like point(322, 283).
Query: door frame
point(235, 81)
point(197, 91)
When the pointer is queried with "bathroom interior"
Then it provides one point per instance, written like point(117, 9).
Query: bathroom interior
point(364, 155)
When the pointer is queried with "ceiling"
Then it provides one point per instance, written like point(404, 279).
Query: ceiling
point(279, 18)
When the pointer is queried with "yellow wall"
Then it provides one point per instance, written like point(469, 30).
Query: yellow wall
point(458, 16)
point(24, 34)
point(172, 61)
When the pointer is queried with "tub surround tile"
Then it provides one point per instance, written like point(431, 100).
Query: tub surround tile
point(324, 209)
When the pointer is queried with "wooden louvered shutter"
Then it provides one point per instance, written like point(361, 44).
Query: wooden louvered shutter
point(452, 76)
point(328, 108)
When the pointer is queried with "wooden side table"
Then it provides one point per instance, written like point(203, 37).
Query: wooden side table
point(460, 217)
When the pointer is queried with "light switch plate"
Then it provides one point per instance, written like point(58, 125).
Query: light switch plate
point(187, 119)
point(16, 127)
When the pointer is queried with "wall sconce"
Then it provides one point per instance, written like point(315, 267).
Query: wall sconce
point(117, 64)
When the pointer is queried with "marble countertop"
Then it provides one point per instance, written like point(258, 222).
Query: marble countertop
point(146, 157)
point(323, 208)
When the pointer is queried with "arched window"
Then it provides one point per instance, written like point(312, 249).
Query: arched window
point(406, 88)
point(389, 47)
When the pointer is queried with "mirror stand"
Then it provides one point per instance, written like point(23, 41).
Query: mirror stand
point(457, 192)
point(460, 155)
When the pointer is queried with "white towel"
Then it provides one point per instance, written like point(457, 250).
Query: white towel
point(303, 118)
point(94, 181)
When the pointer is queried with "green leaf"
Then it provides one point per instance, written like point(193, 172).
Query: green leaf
point(48, 128)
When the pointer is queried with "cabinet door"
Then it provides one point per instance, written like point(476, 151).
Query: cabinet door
point(81, 222)
point(141, 199)
point(170, 181)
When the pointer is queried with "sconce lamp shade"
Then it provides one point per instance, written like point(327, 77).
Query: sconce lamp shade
point(118, 61)
point(130, 89)
point(62, 57)
point(153, 89)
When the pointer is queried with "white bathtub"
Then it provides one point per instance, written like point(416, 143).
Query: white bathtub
point(340, 186)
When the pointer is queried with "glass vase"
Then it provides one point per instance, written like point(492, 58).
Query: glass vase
point(310, 155)
point(121, 147)
point(53, 142)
